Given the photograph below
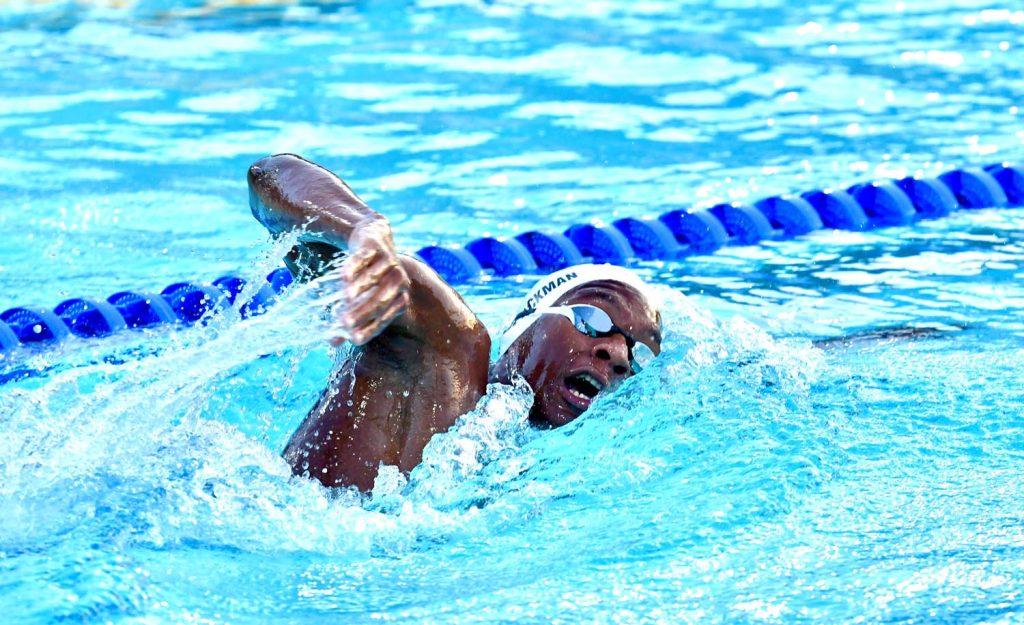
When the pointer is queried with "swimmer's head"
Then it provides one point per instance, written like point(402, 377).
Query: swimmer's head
point(579, 331)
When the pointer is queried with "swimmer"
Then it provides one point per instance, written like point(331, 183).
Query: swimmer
point(421, 358)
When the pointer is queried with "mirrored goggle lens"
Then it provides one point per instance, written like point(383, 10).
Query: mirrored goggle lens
point(640, 356)
point(592, 320)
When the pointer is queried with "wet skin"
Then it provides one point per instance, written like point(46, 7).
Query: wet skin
point(420, 357)
point(567, 368)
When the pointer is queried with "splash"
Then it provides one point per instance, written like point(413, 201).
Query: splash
point(179, 445)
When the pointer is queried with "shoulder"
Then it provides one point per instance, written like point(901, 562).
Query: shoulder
point(439, 317)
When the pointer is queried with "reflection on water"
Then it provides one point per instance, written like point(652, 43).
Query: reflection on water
point(486, 117)
point(744, 476)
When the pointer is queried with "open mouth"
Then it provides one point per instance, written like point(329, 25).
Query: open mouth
point(581, 389)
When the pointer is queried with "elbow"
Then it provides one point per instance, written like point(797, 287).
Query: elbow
point(263, 169)
point(259, 170)
point(256, 172)
point(270, 180)
point(262, 178)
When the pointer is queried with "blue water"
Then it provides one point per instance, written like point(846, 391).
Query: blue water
point(745, 477)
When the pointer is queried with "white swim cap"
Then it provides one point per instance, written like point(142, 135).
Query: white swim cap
point(548, 290)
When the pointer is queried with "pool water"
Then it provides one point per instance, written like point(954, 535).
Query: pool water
point(746, 476)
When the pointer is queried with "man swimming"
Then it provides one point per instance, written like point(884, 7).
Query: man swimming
point(421, 357)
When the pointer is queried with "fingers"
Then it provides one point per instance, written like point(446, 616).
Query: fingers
point(380, 284)
point(376, 300)
point(358, 262)
point(372, 271)
point(376, 286)
point(374, 326)
point(378, 303)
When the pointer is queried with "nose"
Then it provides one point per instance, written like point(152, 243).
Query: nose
point(613, 351)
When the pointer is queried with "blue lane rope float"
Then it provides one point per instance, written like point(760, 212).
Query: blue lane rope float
point(791, 216)
point(672, 235)
point(884, 203)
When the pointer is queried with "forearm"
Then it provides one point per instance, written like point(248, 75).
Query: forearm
point(287, 192)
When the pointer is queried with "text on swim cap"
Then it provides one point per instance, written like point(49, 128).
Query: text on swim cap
point(539, 294)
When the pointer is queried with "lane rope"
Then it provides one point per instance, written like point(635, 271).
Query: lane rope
point(670, 236)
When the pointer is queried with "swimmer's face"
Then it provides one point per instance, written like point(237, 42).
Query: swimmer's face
point(567, 369)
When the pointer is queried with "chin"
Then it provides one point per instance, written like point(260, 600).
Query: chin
point(538, 420)
point(551, 417)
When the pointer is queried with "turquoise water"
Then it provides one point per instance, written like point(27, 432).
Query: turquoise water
point(745, 477)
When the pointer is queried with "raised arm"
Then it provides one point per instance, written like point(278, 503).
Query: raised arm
point(287, 192)
point(423, 359)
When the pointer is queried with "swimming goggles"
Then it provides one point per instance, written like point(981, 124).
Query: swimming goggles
point(596, 323)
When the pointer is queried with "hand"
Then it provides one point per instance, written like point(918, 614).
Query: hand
point(376, 285)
